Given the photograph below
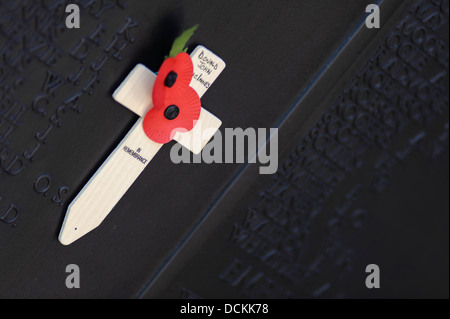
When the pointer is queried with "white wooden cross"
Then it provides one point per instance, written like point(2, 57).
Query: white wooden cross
point(104, 190)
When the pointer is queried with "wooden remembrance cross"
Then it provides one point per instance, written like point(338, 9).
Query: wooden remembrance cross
point(111, 181)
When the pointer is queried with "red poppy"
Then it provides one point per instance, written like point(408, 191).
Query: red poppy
point(176, 106)
point(174, 76)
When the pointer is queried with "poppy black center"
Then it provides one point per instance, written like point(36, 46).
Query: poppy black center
point(171, 112)
point(171, 78)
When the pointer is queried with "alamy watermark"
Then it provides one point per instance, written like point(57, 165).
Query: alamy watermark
point(73, 279)
point(236, 145)
point(373, 280)
point(373, 19)
point(73, 17)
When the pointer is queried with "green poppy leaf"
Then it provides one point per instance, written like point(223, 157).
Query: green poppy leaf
point(179, 44)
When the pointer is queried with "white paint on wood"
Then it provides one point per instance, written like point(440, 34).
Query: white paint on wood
point(111, 181)
point(135, 92)
point(207, 68)
point(197, 138)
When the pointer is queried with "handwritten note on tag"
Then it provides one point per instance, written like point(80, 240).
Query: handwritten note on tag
point(207, 67)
